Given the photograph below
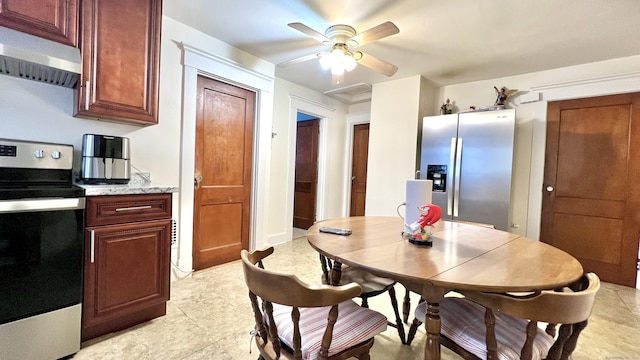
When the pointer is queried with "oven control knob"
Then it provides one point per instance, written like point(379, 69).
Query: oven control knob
point(39, 153)
point(55, 154)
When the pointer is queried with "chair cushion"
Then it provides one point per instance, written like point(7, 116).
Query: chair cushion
point(462, 321)
point(355, 324)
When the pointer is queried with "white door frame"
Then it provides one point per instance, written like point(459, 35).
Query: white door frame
point(198, 62)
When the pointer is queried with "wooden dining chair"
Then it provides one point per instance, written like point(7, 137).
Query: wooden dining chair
point(371, 284)
point(294, 320)
point(505, 326)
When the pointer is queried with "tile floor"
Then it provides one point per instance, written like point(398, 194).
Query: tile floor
point(209, 317)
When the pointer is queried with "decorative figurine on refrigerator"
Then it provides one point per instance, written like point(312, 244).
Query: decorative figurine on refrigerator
point(446, 108)
point(503, 94)
point(421, 229)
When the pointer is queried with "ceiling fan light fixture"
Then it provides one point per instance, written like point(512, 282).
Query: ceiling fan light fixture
point(343, 40)
point(326, 61)
point(339, 60)
point(349, 62)
point(337, 54)
point(337, 69)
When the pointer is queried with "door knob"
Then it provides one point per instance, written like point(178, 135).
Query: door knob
point(353, 178)
point(197, 180)
point(549, 188)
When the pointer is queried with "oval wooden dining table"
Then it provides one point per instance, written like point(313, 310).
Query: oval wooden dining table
point(463, 257)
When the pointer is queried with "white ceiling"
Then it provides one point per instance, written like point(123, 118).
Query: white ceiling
point(446, 41)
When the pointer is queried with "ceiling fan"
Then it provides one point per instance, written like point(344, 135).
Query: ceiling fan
point(343, 41)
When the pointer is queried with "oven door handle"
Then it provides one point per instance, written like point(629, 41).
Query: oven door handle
point(32, 205)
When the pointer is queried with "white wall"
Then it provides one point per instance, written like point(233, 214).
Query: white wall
point(31, 110)
point(186, 53)
point(290, 98)
point(41, 112)
point(35, 111)
point(358, 114)
point(594, 79)
point(397, 108)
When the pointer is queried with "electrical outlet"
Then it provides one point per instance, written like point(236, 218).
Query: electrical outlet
point(174, 233)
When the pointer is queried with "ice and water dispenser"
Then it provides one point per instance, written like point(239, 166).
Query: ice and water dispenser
point(438, 174)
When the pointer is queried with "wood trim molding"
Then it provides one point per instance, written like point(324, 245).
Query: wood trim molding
point(599, 79)
point(206, 61)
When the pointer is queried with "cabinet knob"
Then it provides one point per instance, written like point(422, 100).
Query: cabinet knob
point(197, 180)
point(549, 188)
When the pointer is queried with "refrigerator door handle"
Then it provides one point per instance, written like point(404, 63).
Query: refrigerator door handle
point(452, 161)
point(456, 185)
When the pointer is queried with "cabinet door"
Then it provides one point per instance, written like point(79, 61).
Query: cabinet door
point(126, 271)
point(50, 19)
point(120, 43)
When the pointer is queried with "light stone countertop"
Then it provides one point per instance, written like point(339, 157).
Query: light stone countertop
point(127, 189)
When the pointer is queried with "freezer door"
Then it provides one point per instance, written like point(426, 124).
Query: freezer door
point(483, 185)
point(436, 158)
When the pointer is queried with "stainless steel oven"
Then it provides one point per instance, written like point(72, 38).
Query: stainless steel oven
point(41, 251)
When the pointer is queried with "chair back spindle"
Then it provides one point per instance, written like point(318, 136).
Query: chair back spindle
point(515, 318)
point(287, 311)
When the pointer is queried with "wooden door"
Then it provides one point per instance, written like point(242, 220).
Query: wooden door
point(120, 42)
point(56, 20)
point(223, 163)
point(591, 189)
point(306, 177)
point(359, 158)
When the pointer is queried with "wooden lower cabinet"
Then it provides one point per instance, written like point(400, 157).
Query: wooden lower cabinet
point(126, 279)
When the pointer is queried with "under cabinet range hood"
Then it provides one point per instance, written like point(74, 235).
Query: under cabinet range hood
point(30, 57)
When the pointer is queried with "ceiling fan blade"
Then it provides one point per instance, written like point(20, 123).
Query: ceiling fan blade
point(299, 59)
point(309, 32)
point(376, 33)
point(378, 65)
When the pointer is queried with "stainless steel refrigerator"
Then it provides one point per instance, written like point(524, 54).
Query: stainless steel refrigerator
point(469, 157)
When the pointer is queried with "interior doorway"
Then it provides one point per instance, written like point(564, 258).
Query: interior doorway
point(223, 165)
point(306, 171)
point(359, 159)
point(591, 192)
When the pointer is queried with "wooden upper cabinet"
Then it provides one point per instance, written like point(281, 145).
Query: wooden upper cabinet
point(120, 44)
point(55, 20)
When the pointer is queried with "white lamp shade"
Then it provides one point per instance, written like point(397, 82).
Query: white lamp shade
point(337, 69)
point(325, 61)
point(349, 63)
point(337, 54)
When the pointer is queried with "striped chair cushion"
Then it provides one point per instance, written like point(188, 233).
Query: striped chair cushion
point(462, 321)
point(355, 324)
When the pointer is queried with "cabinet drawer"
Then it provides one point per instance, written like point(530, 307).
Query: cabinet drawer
point(118, 209)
